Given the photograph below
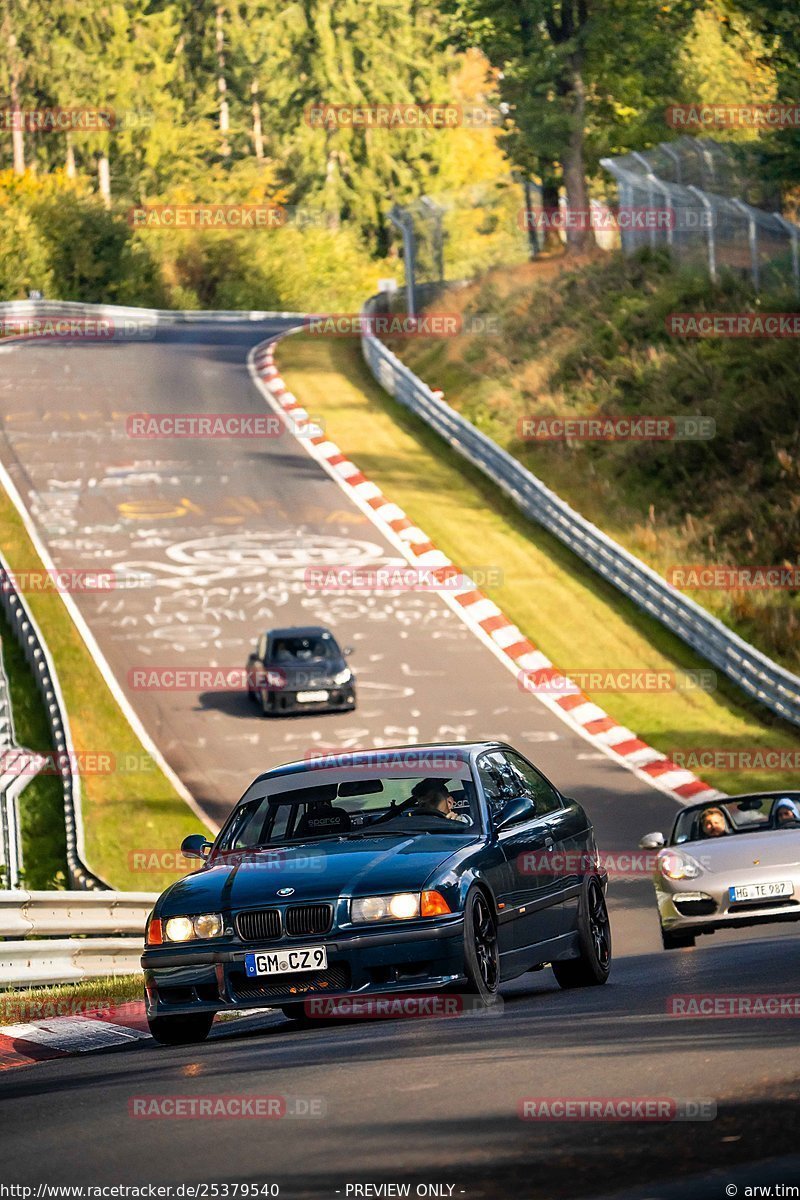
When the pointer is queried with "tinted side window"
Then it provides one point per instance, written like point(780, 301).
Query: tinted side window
point(545, 795)
point(501, 782)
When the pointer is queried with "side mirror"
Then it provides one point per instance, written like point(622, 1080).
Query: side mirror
point(196, 845)
point(652, 841)
point(521, 808)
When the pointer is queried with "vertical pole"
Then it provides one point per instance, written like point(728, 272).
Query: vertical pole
point(752, 238)
point(794, 233)
point(712, 246)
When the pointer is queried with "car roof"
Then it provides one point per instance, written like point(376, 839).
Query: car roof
point(463, 751)
point(299, 631)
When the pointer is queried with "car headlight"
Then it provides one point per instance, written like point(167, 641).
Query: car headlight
point(185, 929)
point(343, 677)
point(679, 866)
point(402, 906)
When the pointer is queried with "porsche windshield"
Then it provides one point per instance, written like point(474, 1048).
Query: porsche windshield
point(355, 808)
point(744, 814)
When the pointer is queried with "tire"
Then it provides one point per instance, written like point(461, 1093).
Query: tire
point(677, 941)
point(481, 955)
point(297, 1012)
point(591, 967)
point(181, 1030)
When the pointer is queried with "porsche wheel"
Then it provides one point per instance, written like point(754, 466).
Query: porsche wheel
point(677, 941)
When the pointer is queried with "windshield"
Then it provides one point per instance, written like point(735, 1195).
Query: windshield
point(746, 814)
point(354, 808)
point(304, 649)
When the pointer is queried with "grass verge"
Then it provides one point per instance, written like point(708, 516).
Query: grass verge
point(597, 340)
point(578, 620)
point(132, 807)
point(41, 804)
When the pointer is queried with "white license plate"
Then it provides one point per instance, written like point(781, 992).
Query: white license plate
point(760, 891)
point(279, 962)
point(311, 697)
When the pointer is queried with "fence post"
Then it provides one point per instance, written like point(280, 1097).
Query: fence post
point(405, 224)
point(752, 238)
point(793, 231)
point(712, 245)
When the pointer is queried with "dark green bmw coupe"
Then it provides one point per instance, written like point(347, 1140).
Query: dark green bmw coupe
point(420, 869)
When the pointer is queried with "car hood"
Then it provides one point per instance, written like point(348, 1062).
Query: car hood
point(779, 848)
point(316, 673)
point(320, 870)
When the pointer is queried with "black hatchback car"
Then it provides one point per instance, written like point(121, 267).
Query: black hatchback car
point(300, 669)
point(368, 874)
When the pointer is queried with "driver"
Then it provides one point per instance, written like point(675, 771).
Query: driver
point(713, 823)
point(434, 800)
point(785, 814)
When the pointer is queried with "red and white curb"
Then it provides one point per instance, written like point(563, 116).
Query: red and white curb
point(477, 611)
point(29, 1042)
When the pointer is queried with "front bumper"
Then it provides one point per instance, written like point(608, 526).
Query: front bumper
point(193, 978)
point(339, 699)
point(701, 907)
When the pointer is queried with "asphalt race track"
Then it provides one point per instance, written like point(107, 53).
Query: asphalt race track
point(222, 532)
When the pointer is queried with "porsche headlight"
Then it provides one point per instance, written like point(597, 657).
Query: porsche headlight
point(679, 866)
point(185, 929)
point(343, 677)
point(402, 906)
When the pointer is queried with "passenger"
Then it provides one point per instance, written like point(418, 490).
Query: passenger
point(786, 814)
point(713, 823)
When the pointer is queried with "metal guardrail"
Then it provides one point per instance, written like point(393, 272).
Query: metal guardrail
point(33, 645)
point(23, 913)
point(71, 960)
point(159, 316)
point(754, 672)
point(50, 958)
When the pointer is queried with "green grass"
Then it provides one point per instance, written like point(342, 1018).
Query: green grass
point(594, 341)
point(65, 999)
point(558, 602)
point(41, 804)
point(124, 810)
